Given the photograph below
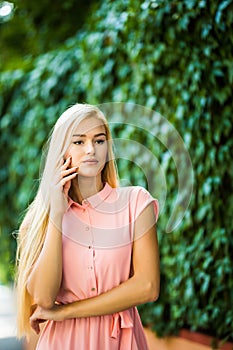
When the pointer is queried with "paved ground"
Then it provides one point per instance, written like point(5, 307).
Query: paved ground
point(8, 340)
point(10, 344)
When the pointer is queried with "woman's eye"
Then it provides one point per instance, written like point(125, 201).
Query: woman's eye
point(80, 142)
point(100, 142)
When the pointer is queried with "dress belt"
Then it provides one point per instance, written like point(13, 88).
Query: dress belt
point(120, 320)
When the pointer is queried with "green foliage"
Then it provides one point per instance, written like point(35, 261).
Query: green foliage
point(174, 57)
point(39, 26)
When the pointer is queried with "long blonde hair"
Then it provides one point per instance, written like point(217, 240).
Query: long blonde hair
point(33, 229)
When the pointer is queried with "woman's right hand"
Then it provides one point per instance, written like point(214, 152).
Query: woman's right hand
point(67, 175)
point(60, 189)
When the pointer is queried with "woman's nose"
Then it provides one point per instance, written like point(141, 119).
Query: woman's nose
point(90, 149)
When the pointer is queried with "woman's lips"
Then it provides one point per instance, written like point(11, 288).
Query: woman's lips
point(90, 161)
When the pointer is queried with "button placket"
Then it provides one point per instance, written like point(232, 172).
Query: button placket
point(90, 263)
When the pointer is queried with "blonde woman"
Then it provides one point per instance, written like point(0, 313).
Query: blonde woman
point(87, 249)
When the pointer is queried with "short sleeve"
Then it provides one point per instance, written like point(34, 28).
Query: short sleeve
point(142, 199)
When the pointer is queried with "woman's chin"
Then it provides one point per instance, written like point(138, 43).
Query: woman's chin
point(89, 173)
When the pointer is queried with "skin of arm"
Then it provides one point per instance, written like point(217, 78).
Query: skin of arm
point(46, 274)
point(142, 287)
point(45, 278)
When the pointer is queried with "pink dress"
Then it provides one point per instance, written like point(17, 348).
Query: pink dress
point(97, 247)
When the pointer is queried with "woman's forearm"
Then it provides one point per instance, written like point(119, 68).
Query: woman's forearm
point(45, 278)
point(130, 293)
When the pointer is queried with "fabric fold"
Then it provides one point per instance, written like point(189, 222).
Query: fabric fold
point(121, 320)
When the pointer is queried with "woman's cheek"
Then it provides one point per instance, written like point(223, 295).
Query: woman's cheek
point(68, 152)
point(75, 160)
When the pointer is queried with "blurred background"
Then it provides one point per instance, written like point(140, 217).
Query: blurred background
point(174, 57)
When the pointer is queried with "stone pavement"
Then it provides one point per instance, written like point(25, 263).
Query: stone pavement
point(8, 339)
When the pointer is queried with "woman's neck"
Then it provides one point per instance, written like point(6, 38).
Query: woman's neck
point(84, 187)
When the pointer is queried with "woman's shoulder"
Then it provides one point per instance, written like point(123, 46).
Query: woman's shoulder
point(132, 190)
point(133, 194)
point(138, 199)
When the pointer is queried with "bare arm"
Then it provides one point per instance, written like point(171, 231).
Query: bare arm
point(45, 278)
point(142, 287)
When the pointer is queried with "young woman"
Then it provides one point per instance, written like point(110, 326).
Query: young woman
point(87, 249)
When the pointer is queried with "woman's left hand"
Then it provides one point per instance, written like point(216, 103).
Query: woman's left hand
point(41, 315)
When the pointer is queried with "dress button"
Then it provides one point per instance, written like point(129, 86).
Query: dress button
point(89, 247)
point(87, 228)
point(93, 289)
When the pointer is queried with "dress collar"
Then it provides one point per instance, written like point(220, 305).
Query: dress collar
point(94, 200)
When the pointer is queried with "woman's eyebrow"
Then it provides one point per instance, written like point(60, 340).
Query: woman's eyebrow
point(96, 135)
point(100, 134)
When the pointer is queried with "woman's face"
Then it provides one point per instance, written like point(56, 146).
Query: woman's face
point(88, 148)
